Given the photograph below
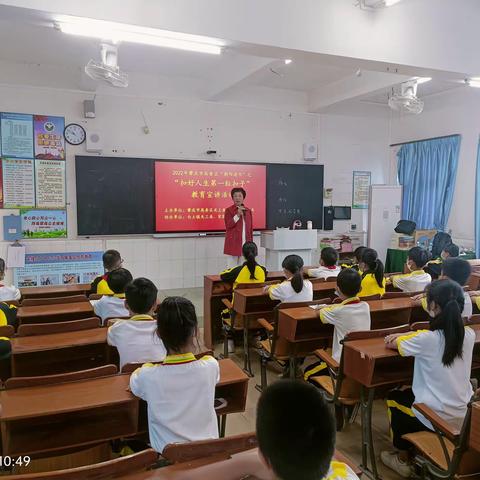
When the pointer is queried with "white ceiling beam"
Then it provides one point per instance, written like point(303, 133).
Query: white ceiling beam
point(351, 87)
point(227, 78)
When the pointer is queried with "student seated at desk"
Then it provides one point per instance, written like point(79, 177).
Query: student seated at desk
point(417, 280)
point(328, 264)
point(111, 261)
point(135, 338)
point(373, 281)
point(113, 306)
point(459, 271)
point(294, 288)
point(249, 272)
point(434, 267)
point(357, 258)
point(351, 315)
point(180, 392)
point(296, 433)
point(7, 292)
point(441, 377)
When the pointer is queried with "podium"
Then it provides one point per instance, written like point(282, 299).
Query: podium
point(282, 242)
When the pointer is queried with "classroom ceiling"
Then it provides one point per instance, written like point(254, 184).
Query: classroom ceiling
point(325, 80)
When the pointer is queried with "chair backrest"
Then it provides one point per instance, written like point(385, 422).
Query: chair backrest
point(283, 306)
point(382, 332)
point(98, 296)
point(316, 280)
point(368, 298)
point(388, 295)
point(331, 279)
point(30, 329)
point(29, 302)
point(420, 326)
point(186, 452)
point(119, 467)
point(246, 286)
point(474, 281)
point(19, 382)
point(7, 331)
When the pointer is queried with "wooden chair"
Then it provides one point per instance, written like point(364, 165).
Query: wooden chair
point(186, 452)
point(331, 279)
point(388, 295)
point(342, 391)
point(274, 348)
point(18, 382)
point(98, 296)
point(57, 327)
point(231, 324)
point(445, 453)
point(30, 302)
point(7, 331)
point(369, 298)
point(119, 467)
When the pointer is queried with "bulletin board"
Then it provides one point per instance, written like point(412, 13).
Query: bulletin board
point(32, 171)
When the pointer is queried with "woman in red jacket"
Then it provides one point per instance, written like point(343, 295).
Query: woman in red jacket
point(239, 226)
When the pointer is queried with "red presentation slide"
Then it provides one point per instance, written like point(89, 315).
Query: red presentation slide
point(192, 196)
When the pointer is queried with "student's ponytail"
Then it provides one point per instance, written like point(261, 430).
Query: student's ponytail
point(250, 251)
point(450, 298)
point(294, 264)
point(374, 265)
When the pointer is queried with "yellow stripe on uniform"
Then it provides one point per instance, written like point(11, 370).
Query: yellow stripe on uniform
point(338, 470)
point(271, 289)
point(477, 302)
point(402, 408)
point(310, 372)
point(407, 337)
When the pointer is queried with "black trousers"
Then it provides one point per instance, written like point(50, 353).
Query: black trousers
point(402, 418)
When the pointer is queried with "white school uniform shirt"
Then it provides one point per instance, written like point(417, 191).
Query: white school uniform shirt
point(324, 272)
point(180, 394)
point(110, 307)
point(352, 315)
point(467, 307)
point(9, 292)
point(446, 390)
point(286, 294)
point(136, 340)
point(412, 282)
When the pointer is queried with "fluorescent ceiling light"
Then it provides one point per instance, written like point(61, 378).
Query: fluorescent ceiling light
point(473, 82)
point(421, 80)
point(121, 32)
point(389, 3)
point(288, 61)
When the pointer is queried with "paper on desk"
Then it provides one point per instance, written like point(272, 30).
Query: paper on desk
point(15, 257)
point(318, 307)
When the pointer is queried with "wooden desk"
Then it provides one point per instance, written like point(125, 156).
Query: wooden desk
point(214, 289)
point(54, 313)
point(299, 324)
point(59, 352)
point(55, 290)
point(373, 365)
point(475, 427)
point(47, 419)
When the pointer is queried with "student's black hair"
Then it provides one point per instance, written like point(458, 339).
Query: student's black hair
point(358, 252)
point(241, 190)
point(294, 264)
point(329, 256)
point(295, 430)
point(374, 265)
point(449, 296)
point(111, 259)
point(457, 269)
point(250, 251)
point(118, 279)
point(419, 255)
point(2, 268)
point(176, 322)
point(452, 249)
point(349, 282)
point(141, 295)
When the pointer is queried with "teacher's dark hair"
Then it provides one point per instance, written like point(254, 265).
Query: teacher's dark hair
point(241, 190)
point(250, 251)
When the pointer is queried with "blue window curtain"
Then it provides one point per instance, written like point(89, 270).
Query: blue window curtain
point(427, 170)
point(477, 204)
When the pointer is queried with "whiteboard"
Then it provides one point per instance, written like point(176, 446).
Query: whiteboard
point(384, 214)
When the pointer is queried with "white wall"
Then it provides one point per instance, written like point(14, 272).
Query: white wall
point(456, 111)
point(178, 130)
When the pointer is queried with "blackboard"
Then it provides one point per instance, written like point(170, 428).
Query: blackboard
point(294, 192)
point(114, 195)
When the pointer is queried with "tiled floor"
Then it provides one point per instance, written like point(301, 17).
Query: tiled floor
point(349, 440)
